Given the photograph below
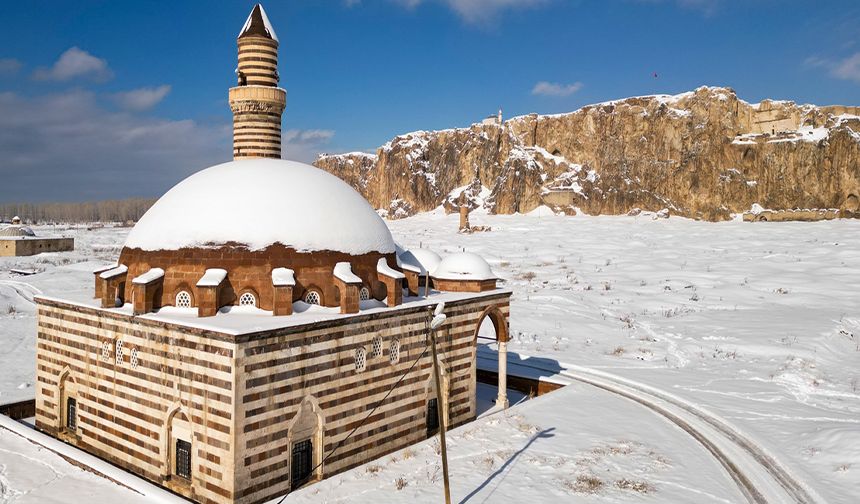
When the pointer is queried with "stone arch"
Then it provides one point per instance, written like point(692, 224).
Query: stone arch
point(306, 425)
point(502, 330)
point(177, 426)
point(252, 292)
point(852, 203)
point(67, 388)
point(314, 288)
point(183, 287)
point(499, 320)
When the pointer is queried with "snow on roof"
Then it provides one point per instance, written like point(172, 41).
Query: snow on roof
point(383, 268)
point(212, 278)
point(421, 261)
point(260, 202)
point(343, 271)
point(283, 277)
point(463, 266)
point(149, 276)
point(16, 230)
point(113, 272)
point(252, 23)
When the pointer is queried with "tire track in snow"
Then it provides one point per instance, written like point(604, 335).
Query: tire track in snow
point(759, 476)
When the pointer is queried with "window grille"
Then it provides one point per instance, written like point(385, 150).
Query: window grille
point(360, 359)
point(300, 472)
point(364, 294)
point(183, 300)
point(432, 417)
point(106, 351)
point(377, 347)
point(118, 352)
point(71, 413)
point(312, 297)
point(247, 299)
point(394, 351)
point(134, 358)
point(183, 459)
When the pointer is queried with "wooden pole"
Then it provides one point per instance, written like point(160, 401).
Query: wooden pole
point(441, 415)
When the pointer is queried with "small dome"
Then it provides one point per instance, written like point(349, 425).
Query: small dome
point(418, 260)
point(16, 231)
point(463, 266)
point(260, 202)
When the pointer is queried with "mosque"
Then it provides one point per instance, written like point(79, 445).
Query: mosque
point(256, 316)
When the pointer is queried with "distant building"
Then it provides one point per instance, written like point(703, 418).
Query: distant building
point(257, 313)
point(493, 119)
point(19, 240)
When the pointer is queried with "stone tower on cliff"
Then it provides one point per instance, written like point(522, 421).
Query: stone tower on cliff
point(257, 102)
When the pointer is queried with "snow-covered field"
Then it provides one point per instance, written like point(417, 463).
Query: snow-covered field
point(759, 324)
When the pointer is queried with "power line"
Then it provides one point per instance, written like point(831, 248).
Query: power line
point(378, 404)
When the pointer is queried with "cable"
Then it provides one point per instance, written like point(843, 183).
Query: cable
point(378, 404)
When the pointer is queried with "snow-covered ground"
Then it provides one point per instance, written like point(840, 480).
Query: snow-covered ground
point(758, 323)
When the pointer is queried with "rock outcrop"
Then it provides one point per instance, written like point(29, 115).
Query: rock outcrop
point(703, 154)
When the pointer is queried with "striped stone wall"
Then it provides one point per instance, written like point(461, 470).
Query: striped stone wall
point(248, 398)
point(125, 404)
point(279, 370)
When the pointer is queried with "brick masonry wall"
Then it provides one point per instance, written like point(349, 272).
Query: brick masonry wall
point(242, 394)
point(278, 370)
point(33, 246)
point(123, 410)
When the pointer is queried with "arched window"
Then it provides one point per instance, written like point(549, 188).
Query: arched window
point(106, 351)
point(134, 358)
point(376, 350)
point(312, 297)
point(183, 299)
point(364, 294)
point(394, 351)
point(118, 352)
point(247, 299)
point(360, 359)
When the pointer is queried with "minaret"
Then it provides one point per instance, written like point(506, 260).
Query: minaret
point(257, 102)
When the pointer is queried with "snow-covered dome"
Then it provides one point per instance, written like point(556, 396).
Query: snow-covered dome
point(16, 231)
point(418, 260)
point(260, 202)
point(463, 266)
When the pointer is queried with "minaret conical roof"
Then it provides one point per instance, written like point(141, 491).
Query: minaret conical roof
point(258, 25)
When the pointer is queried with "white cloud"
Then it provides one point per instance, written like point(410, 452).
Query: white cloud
point(67, 147)
point(847, 68)
point(9, 66)
point(544, 88)
point(475, 11)
point(142, 98)
point(74, 63)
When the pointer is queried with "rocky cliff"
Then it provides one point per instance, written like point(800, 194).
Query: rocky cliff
point(702, 154)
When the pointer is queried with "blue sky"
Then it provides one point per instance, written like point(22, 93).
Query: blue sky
point(102, 99)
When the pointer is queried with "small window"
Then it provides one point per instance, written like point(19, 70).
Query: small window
point(71, 413)
point(432, 417)
point(134, 358)
point(312, 297)
point(106, 351)
point(376, 347)
point(394, 351)
point(300, 472)
point(183, 459)
point(364, 294)
point(247, 299)
point(119, 352)
point(183, 300)
point(360, 359)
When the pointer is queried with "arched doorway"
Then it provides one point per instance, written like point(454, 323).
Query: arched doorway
point(68, 404)
point(852, 203)
point(305, 443)
point(492, 333)
point(178, 445)
point(432, 408)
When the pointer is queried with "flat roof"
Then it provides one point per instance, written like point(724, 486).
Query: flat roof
point(246, 320)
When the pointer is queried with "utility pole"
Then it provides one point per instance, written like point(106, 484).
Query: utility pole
point(438, 320)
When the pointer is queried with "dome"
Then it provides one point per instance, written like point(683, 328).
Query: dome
point(261, 202)
point(418, 260)
point(16, 231)
point(463, 266)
